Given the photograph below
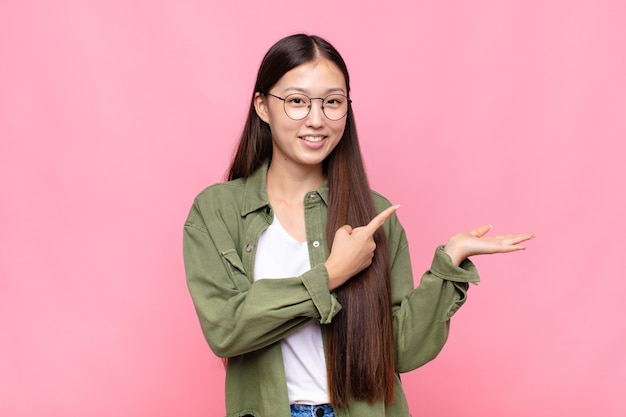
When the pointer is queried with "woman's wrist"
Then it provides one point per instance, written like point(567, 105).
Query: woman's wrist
point(455, 254)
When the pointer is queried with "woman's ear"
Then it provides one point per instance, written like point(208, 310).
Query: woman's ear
point(260, 105)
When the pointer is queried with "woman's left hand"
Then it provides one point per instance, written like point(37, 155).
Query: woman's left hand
point(465, 244)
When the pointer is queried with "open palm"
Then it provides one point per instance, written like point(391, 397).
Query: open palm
point(465, 244)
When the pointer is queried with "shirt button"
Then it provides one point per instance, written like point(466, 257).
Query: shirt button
point(249, 247)
point(316, 244)
point(312, 196)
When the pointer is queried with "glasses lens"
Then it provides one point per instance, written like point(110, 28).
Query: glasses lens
point(297, 106)
point(335, 106)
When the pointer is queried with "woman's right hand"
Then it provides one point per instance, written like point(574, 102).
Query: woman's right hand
point(353, 249)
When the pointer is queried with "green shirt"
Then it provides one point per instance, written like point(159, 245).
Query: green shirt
point(244, 320)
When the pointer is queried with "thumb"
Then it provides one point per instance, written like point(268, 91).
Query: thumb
point(480, 231)
point(347, 229)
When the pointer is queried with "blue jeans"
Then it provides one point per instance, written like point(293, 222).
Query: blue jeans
point(322, 410)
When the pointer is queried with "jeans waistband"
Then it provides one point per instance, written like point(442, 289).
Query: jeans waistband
point(320, 410)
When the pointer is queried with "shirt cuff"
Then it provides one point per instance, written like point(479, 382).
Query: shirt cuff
point(325, 302)
point(442, 267)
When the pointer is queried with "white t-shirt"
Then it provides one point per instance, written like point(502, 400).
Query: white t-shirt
point(280, 255)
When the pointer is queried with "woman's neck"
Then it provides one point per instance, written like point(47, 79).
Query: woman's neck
point(292, 183)
point(286, 187)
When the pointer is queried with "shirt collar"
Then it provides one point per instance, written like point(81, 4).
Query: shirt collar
point(255, 194)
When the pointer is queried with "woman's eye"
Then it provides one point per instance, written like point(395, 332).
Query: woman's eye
point(297, 101)
point(335, 101)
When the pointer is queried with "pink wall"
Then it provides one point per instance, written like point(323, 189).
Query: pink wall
point(114, 114)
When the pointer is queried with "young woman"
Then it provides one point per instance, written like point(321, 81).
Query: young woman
point(300, 274)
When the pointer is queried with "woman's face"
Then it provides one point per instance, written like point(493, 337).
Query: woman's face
point(306, 142)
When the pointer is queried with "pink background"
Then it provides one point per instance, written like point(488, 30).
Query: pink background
point(115, 114)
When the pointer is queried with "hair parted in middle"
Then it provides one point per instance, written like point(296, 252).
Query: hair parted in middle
point(360, 355)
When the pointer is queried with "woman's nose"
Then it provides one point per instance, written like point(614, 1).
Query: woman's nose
point(316, 113)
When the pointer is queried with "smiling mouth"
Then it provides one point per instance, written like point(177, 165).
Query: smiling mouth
point(313, 139)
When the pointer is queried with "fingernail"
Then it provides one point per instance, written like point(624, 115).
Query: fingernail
point(397, 206)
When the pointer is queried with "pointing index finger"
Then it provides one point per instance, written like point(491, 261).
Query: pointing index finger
point(380, 219)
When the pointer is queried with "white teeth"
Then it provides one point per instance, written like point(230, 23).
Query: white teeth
point(313, 138)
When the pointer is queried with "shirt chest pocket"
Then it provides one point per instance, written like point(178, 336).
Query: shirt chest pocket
point(235, 269)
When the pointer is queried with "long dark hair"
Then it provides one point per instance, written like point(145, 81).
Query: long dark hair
point(360, 354)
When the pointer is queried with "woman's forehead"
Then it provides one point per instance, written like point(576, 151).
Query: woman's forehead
point(319, 76)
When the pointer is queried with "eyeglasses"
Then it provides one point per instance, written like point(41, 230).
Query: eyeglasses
point(297, 106)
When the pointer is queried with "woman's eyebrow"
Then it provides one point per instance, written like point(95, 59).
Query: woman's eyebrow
point(306, 91)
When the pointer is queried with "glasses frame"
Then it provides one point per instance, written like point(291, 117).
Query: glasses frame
point(284, 100)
